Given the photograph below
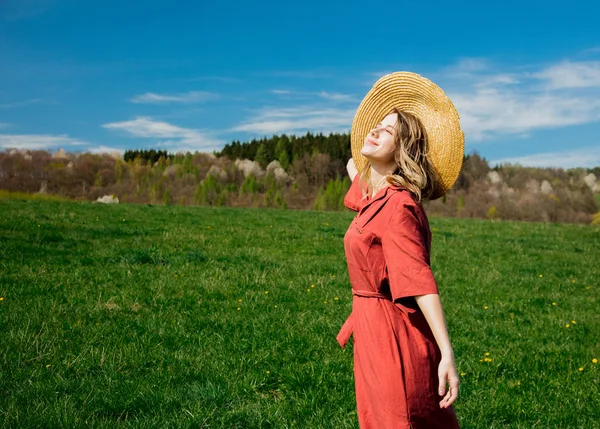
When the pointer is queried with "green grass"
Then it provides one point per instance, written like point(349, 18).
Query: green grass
point(128, 315)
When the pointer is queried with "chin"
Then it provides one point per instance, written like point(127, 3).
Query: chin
point(366, 155)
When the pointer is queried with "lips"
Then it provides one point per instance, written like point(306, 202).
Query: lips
point(373, 142)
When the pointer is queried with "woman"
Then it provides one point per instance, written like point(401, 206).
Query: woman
point(408, 149)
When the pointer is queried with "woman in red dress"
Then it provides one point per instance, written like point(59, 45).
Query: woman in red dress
point(403, 358)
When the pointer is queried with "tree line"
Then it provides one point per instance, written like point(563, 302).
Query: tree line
point(306, 172)
point(287, 149)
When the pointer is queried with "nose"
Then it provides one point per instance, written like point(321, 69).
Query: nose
point(375, 131)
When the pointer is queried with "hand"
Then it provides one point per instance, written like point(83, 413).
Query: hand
point(447, 372)
point(351, 168)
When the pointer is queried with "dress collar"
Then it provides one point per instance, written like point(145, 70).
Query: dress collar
point(383, 191)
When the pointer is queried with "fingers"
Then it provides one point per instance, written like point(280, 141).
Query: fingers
point(451, 395)
point(444, 401)
point(454, 395)
point(449, 398)
point(442, 386)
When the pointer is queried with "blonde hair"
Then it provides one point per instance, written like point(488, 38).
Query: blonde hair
point(414, 171)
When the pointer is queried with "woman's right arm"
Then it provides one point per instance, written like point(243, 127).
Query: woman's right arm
point(351, 168)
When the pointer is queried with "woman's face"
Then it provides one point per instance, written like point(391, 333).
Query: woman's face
point(380, 143)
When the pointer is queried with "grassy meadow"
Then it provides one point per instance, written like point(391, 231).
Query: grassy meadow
point(167, 316)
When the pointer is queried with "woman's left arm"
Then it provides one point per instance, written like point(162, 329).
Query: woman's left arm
point(431, 306)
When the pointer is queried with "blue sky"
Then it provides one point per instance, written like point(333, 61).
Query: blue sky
point(194, 75)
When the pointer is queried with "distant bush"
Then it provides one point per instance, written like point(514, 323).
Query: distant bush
point(331, 196)
point(147, 155)
point(7, 195)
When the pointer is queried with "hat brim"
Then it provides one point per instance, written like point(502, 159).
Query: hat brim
point(422, 98)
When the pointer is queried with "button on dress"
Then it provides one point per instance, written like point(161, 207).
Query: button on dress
point(396, 357)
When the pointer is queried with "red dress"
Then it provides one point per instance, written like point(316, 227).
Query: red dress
point(396, 357)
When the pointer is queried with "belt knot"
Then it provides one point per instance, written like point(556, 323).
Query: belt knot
point(370, 294)
point(348, 327)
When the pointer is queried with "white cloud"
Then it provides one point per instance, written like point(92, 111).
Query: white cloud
point(20, 103)
point(511, 103)
point(105, 149)
point(37, 141)
point(146, 127)
point(487, 112)
point(499, 79)
point(171, 137)
point(334, 96)
point(329, 96)
point(281, 91)
point(572, 75)
point(472, 64)
point(186, 98)
point(582, 157)
point(294, 120)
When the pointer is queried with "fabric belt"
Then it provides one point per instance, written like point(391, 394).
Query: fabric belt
point(348, 327)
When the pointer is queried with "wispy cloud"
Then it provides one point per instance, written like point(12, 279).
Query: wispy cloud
point(572, 75)
point(168, 136)
point(282, 91)
point(490, 112)
point(470, 65)
point(325, 95)
point(294, 120)
point(515, 102)
point(463, 69)
point(38, 141)
point(335, 96)
point(186, 98)
point(20, 103)
point(105, 149)
point(4, 125)
point(583, 157)
point(498, 79)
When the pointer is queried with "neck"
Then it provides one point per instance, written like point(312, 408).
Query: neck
point(378, 174)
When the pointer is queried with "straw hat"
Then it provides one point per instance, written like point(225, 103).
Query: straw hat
point(419, 96)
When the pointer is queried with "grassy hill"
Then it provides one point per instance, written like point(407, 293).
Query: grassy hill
point(156, 316)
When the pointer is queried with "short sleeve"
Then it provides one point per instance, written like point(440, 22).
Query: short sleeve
point(407, 256)
point(353, 197)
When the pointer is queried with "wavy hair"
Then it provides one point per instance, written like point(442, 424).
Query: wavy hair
point(414, 171)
